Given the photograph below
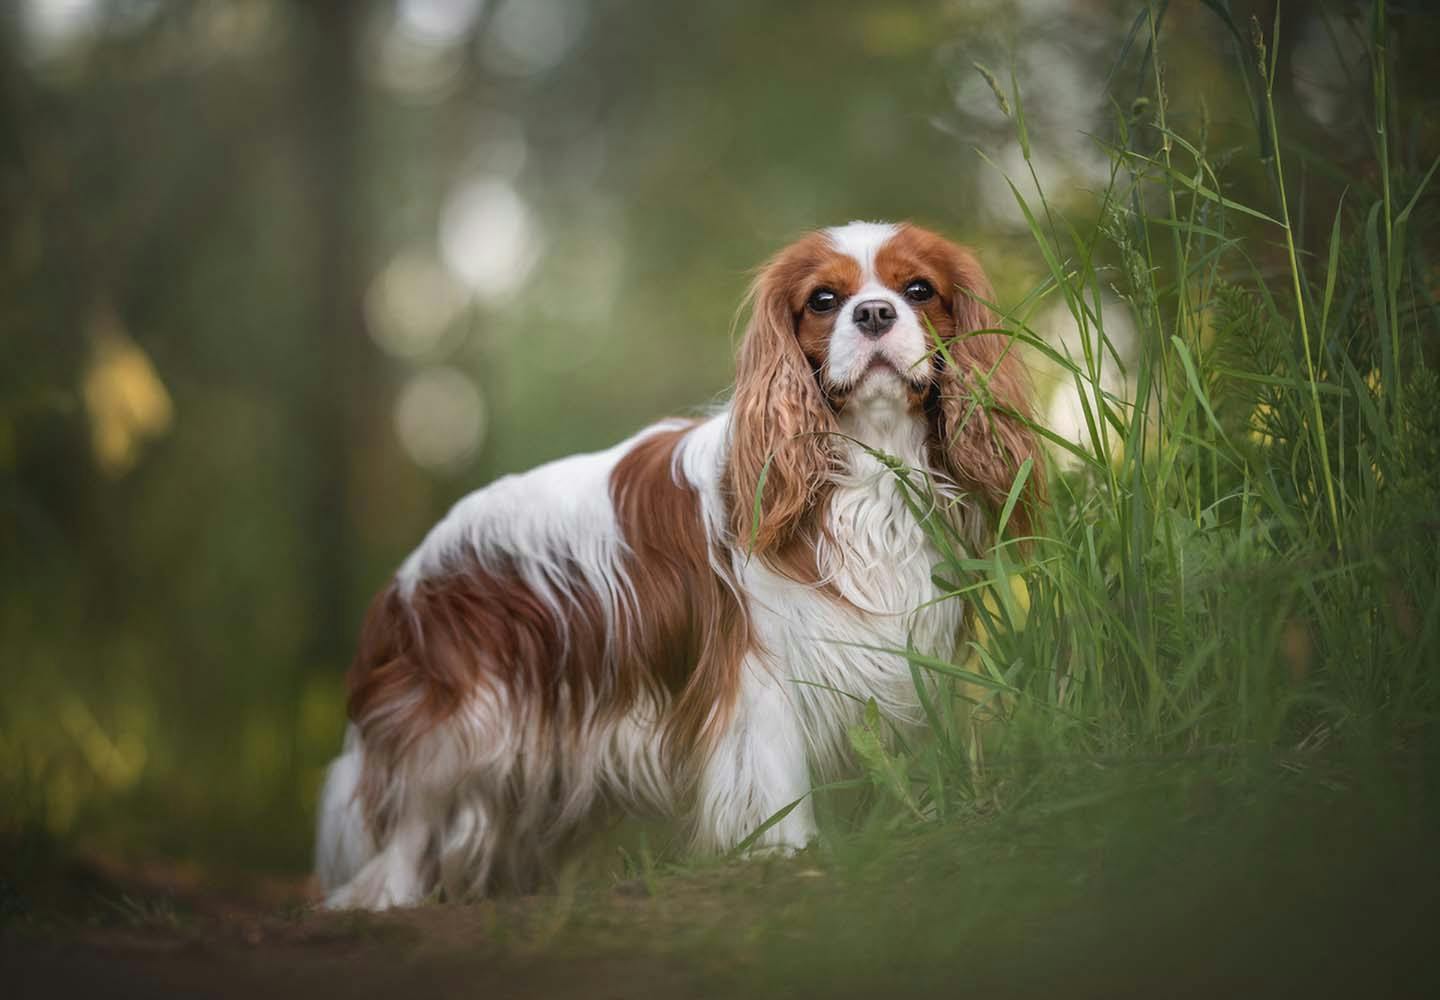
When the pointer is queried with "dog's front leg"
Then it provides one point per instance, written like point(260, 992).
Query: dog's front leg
point(759, 766)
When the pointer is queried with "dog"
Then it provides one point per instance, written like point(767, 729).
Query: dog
point(689, 622)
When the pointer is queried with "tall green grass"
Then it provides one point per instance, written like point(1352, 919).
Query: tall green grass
point(1240, 565)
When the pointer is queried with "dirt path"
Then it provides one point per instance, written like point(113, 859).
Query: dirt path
point(95, 926)
point(114, 965)
point(1312, 898)
point(159, 932)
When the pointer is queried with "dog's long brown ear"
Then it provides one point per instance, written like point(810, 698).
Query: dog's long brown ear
point(780, 447)
point(984, 401)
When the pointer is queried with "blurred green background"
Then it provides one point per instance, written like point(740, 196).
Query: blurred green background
point(280, 281)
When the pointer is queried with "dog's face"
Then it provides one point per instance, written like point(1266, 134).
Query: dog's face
point(872, 303)
point(863, 311)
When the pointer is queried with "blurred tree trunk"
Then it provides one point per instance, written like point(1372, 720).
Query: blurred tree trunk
point(337, 368)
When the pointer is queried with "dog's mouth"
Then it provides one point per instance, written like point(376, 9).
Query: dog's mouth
point(914, 383)
point(880, 377)
point(915, 379)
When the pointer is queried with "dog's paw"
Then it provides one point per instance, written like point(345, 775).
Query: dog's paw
point(777, 849)
point(382, 884)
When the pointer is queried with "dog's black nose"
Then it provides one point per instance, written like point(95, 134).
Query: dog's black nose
point(874, 317)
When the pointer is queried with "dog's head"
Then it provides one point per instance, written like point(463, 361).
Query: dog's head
point(867, 311)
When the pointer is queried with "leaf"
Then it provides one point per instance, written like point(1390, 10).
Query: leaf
point(1019, 484)
point(1194, 379)
point(1331, 268)
point(1202, 190)
point(1022, 133)
point(885, 771)
point(1395, 246)
point(935, 664)
point(1404, 215)
point(1377, 294)
point(759, 496)
point(932, 714)
point(1277, 380)
point(760, 830)
point(787, 809)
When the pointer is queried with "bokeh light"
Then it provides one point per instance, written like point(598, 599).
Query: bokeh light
point(489, 237)
point(440, 418)
point(411, 303)
point(54, 27)
point(529, 37)
point(438, 22)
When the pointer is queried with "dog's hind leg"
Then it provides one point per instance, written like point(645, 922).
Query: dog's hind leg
point(420, 792)
point(468, 847)
point(343, 842)
point(394, 877)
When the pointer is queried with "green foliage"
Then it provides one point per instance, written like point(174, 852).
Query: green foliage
point(1240, 565)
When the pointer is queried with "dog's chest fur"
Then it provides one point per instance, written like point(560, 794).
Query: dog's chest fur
point(836, 655)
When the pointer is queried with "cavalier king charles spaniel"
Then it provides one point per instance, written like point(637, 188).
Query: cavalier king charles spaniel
point(687, 622)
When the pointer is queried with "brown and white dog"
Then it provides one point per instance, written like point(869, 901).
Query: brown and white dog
point(622, 628)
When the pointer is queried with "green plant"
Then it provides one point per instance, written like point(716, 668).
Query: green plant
point(1235, 568)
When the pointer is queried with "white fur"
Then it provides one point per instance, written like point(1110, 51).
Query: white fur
point(905, 346)
point(553, 517)
point(862, 240)
point(342, 843)
point(881, 563)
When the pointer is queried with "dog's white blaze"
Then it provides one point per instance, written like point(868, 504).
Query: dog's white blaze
point(862, 240)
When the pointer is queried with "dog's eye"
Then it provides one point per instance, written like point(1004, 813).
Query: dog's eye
point(919, 290)
point(822, 300)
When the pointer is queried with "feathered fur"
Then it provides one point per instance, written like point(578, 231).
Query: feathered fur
point(623, 630)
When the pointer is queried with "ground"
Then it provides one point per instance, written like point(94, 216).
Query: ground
point(1224, 888)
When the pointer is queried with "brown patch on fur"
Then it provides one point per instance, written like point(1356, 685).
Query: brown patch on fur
point(678, 642)
point(781, 421)
point(840, 274)
point(688, 626)
point(420, 659)
point(979, 403)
